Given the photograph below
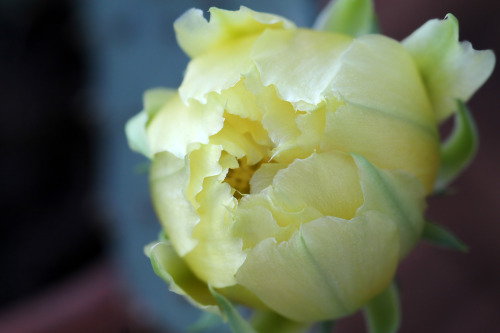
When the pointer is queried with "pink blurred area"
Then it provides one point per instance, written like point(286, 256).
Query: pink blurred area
point(93, 300)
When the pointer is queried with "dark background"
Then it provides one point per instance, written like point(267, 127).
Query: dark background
point(59, 240)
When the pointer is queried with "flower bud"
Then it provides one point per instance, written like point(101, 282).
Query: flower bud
point(290, 169)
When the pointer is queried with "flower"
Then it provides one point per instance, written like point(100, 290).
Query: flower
point(290, 168)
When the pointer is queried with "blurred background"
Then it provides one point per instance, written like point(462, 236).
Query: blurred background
point(75, 199)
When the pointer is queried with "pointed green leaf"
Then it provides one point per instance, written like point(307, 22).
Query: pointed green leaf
point(459, 149)
point(382, 313)
point(438, 235)
point(350, 17)
point(236, 321)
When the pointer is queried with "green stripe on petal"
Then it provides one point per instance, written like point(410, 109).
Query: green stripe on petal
point(349, 17)
point(399, 195)
point(328, 269)
point(382, 313)
point(450, 70)
point(173, 270)
point(459, 149)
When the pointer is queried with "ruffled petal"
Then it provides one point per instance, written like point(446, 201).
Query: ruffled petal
point(299, 63)
point(224, 65)
point(196, 35)
point(176, 127)
point(450, 70)
point(217, 255)
point(328, 269)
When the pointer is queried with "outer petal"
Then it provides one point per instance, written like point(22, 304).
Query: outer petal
point(195, 35)
point(398, 195)
point(450, 70)
point(171, 268)
point(176, 126)
point(135, 129)
point(388, 142)
point(328, 269)
point(169, 179)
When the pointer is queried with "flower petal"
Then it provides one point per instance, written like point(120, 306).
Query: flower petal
point(217, 255)
point(399, 195)
point(307, 279)
point(176, 126)
point(450, 70)
point(300, 63)
point(224, 65)
point(388, 142)
point(328, 182)
point(169, 178)
point(173, 270)
point(195, 35)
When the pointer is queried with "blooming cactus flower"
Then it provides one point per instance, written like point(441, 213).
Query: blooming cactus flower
point(290, 168)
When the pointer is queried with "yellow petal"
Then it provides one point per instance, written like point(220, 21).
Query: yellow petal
point(173, 270)
point(388, 142)
point(176, 126)
point(224, 65)
point(328, 269)
point(300, 63)
point(398, 195)
point(195, 35)
point(450, 70)
point(169, 178)
point(218, 254)
point(326, 181)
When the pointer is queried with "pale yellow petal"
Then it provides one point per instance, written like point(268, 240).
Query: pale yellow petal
point(196, 35)
point(169, 178)
point(450, 70)
point(218, 254)
point(176, 126)
point(173, 270)
point(388, 142)
point(327, 181)
point(299, 63)
point(399, 195)
point(328, 269)
point(217, 70)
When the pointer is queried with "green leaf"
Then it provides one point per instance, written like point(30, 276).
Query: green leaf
point(437, 234)
point(236, 321)
point(350, 17)
point(382, 313)
point(459, 149)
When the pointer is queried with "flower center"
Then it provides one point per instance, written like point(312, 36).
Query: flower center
point(239, 178)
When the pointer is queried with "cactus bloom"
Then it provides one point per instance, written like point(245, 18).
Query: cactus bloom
point(290, 168)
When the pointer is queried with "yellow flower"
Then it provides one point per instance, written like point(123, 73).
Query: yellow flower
point(290, 169)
